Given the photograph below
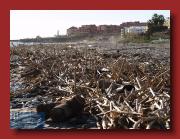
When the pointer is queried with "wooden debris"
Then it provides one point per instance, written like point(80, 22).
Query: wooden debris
point(118, 91)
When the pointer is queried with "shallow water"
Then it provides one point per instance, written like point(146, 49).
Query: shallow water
point(26, 120)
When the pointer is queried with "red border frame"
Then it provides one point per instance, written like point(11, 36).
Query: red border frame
point(7, 5)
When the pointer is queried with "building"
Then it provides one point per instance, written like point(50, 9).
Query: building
point(102, 28)
point(72, 31)
point(136, 29)
point(129, 24)
point(167, 22)
point(128, 27)
point(108, 29)
point(88, 29)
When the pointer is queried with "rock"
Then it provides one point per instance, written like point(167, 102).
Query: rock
point(46, 108)
point(68, 109)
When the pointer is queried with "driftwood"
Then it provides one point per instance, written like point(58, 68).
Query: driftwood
point(119, 92)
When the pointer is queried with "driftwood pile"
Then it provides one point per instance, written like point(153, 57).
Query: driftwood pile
point(119, 91)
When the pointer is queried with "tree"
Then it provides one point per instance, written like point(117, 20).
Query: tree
point(38, 37)
point(158, 20)
point(156, 24)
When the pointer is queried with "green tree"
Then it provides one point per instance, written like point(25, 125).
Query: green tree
point(158, 20)
point(156, 24)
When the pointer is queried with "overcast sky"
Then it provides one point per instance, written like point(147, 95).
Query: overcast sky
point(45, 23)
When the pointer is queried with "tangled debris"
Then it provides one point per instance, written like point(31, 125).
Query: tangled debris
point(117, 90)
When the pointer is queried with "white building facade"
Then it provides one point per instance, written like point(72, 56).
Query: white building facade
point(136, 29)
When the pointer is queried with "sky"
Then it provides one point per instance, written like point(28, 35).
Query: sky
point(46, 23)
